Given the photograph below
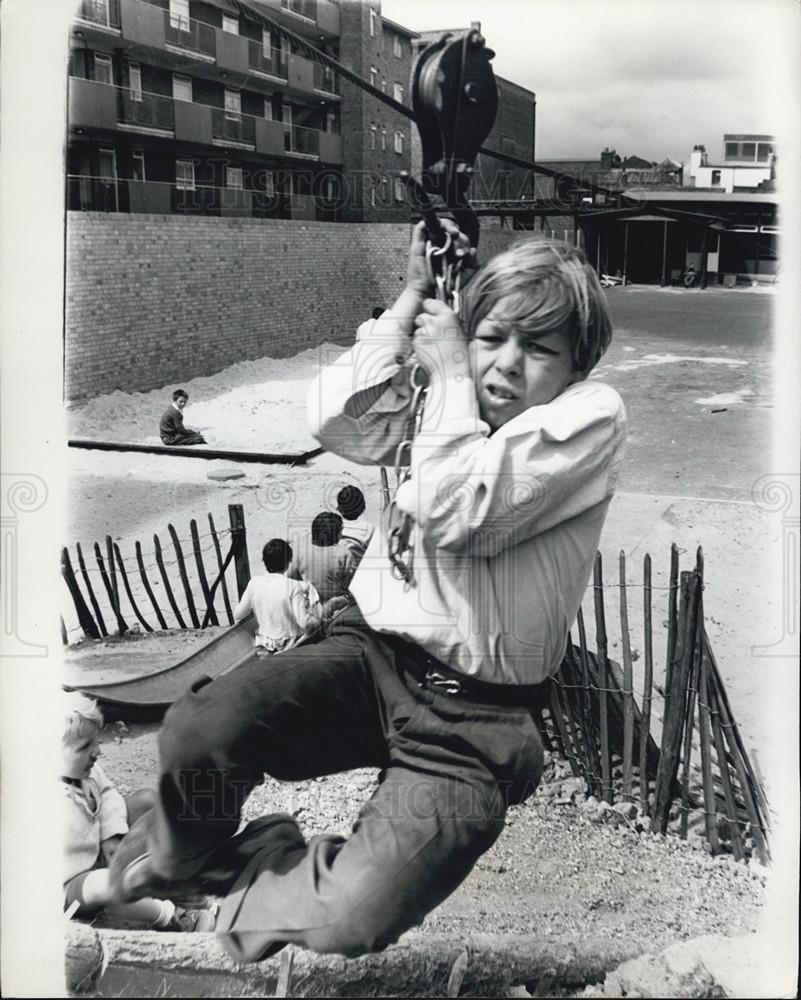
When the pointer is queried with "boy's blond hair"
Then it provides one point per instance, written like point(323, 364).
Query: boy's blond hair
point(545, 285)
point(78, 712)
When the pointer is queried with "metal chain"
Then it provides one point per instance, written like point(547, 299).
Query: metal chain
point(445, 274)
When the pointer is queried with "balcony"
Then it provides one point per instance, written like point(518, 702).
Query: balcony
point(108, 194)
point(300, 141)
point(325, 79)
point(145, 111)
point(307, 17)
point(230, 128)
point(272, 64)
point(104, 13)
point(190, 35)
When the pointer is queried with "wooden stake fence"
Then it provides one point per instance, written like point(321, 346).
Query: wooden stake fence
point(135, 589)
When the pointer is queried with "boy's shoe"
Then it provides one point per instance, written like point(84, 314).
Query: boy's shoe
point(188, 921)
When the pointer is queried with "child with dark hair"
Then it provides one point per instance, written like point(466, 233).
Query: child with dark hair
point(171, 425)
point(327, 563)
point(286, 610)
point(355, 532)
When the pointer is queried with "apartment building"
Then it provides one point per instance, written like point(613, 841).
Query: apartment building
point(186, 106)
point(748, 164)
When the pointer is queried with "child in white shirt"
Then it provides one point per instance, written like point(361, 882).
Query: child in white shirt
point(285, 609)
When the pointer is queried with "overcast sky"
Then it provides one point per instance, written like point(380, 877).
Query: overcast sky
point(646, 77)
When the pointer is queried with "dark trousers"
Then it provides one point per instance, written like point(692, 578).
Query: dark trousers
point(449, 768)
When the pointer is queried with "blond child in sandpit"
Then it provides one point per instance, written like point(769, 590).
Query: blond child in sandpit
point(96, 818)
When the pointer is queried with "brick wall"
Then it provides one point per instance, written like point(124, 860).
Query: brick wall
point(155, 300)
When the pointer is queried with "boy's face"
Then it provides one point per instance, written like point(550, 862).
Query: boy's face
point(181, 402)
point(514, 369)
point(80, 753)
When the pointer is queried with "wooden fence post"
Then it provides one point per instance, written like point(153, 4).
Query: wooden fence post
point(236, 517)
point(84, 614)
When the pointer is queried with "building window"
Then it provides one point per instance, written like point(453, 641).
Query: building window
point(268, 109)
point(372, 191)
point(732, 150)
point(138, 165)
point(508, 146)
point(104, 71)
point(179, 14)
point(230, 24)
point(185, 175)
point(269, 183)
point(397, 48)
point(373, 19)
point(715, 177)
point(332, 122)
point(383, 140)
point(399, 93)
point(135, 81)
point(399, 142)
point(384, 84)
point(233, 177)
point(400, 190)
point(233, 104)
point(749, 150)
point(181, 87)
point(384, 186)
point(373, 133)
point(373, 76)
point(764, 152)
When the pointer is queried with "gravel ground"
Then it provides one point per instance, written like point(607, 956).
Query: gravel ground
point(561, 868)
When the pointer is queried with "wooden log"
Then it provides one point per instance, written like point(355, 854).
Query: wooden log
point(218, 552)
point(723, 768)
point(648, 680)
point(236, 517)
point(90, 591)
point(101, 565)
point(148, 589)
point(122, 626)
point(179, 451)
point(628, 685)
point(124, 577)
point(587, 715)
point(179, 555)
point(419, 966)
point(211, 614)
point(85, 619)
point(84, 959)
point(601, 646)
point(166, 581)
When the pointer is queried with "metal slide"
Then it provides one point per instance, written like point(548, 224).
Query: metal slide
point(154, 692)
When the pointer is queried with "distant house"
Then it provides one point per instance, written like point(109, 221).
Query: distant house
point(748, 165)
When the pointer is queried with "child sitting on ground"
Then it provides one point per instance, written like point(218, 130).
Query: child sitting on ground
point(171, 425)
point(97, 817)
point(355, 532)
point(286, 610)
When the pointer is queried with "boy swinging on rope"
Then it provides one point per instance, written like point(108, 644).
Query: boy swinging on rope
point(429, 676)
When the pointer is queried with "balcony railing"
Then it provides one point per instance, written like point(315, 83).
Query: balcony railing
point(145, 110)
point(103, 12)
point(101, 194)
point(186, 33)
point(303, 8)
point(325, 79)
point(275, 63)
point(298, 139)
point(233, 128)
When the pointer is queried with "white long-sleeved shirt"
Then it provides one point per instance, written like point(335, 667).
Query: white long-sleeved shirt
point(506, 524)
point(94, 812)
point(284, 609)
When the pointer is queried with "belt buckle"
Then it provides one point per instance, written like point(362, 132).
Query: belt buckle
point(447, 685)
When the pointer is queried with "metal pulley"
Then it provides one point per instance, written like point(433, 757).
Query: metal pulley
point(455, 100)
